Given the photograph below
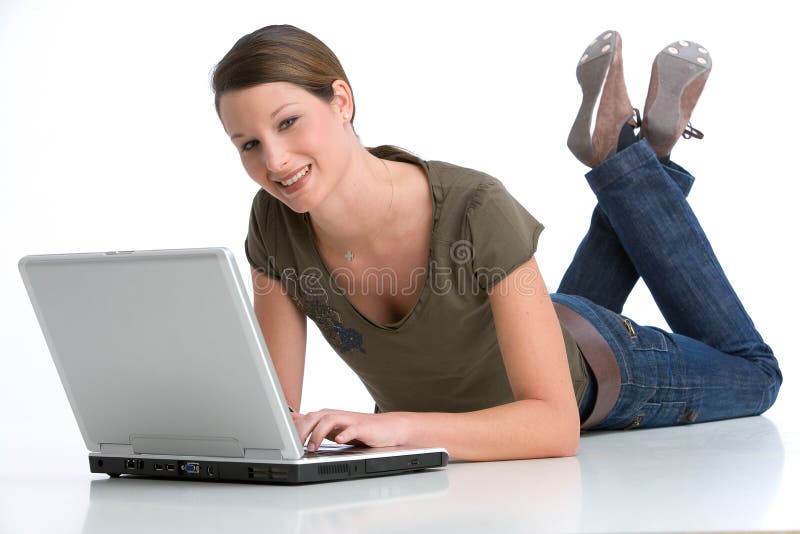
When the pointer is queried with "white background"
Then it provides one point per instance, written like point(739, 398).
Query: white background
point(109, 141)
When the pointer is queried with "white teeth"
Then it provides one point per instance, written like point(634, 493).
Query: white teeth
point(297, 176)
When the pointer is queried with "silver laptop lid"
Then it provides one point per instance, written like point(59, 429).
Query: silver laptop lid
point(159, 352)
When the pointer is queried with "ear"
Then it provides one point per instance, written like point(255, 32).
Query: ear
point(342, 100)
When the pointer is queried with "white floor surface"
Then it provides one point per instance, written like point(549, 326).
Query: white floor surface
point(725, 476)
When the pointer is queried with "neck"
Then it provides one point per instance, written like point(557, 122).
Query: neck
point(357, 213)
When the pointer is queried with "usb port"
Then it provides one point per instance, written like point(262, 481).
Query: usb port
point(257, 472)
point(170, 467)
point(159, 467)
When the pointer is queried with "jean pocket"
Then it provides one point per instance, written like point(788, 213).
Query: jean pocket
point(643, 337)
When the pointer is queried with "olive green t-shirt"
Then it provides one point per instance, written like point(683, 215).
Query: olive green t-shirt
point(443, 355)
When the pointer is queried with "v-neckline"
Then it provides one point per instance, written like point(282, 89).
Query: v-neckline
point(423, 293)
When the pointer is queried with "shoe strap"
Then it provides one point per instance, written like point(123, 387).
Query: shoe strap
point(636, 119)
point(690, 132)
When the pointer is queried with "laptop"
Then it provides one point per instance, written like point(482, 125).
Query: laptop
point(168, 375)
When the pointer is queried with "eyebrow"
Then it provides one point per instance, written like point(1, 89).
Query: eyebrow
point(272, 116)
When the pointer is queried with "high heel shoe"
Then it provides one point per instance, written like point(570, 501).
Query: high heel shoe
point(679, 74)
point(606, 106)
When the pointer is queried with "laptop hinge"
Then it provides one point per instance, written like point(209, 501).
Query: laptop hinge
point(120, 449)
point(263, 454)
point(187, 445)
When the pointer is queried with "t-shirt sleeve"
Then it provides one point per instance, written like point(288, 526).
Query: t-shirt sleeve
point(256, 247)
point(504, 235)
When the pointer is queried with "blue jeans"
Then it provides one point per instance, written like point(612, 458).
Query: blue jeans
point(714, 364)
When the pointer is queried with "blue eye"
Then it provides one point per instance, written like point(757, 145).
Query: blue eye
point(288, 122)
point(249, 145)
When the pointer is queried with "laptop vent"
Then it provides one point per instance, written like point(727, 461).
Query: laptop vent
point(333, 469)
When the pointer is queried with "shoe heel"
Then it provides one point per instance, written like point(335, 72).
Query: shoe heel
point(678, 76)
point(593, 76)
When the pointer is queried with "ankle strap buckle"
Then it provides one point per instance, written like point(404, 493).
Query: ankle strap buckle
point(690, 132)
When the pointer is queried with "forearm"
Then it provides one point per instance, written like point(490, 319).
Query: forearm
point(522, 429)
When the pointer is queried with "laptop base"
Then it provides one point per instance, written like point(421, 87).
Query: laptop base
point(265, 472)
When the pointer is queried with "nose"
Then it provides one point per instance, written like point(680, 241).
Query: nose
point(276, 156)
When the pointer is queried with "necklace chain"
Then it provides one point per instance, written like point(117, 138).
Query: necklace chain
point(349, 254)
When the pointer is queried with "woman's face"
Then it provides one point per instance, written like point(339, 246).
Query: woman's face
point(285, 134)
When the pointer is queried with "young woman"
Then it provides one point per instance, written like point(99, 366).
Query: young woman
point(421, 274)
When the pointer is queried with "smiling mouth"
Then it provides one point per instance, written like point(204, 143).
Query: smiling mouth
point(296, 177)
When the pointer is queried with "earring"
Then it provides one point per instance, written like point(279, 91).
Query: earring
point(346, 116)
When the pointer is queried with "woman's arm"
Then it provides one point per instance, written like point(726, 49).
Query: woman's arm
point(543, 421)
point(284, 330)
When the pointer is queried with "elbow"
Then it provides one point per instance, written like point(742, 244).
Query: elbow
point(572, 436)
point(558, 447)
point(563, 438)
point(568, 435)
point(566, 447)
point(571, 445)
point(565, 444)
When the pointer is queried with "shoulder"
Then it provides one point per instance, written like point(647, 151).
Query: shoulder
point(261, 211)
point(270, 219)
point(448, 175)
point(263, 201)
point(472, 187)
point(453, 175)
point(457, 188)
point(276, 236)
point(266, 209)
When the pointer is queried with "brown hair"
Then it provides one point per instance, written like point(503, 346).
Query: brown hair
point(279, 53)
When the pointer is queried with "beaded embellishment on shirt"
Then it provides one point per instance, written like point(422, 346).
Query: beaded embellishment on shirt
point(341, 338)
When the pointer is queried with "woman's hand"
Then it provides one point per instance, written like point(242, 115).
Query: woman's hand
point(372, 430)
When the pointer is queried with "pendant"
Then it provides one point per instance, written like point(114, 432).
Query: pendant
point(349, 255)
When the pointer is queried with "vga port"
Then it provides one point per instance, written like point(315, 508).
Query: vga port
point(190, 468)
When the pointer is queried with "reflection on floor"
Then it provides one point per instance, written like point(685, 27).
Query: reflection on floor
point(724, 476)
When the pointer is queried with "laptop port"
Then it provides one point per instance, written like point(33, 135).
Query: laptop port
point(159, 467)
point(279, 473)
point(132, 464)
point(210, 471)
point(170, 467)
point(190, 468)
point(257, 472)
